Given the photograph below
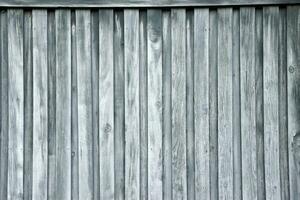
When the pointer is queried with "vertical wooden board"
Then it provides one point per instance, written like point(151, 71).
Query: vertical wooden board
point(201, 103)
point(40, 103)
point(225, 135)
point(213, 104)
point(293, 54)
point(106, 104)
point(259, 104)
point(63, 104)
point(119, 105)
point(154, 34)
point(16, 104)
point(51, 59)
point(143, 104)
point(4, 105)
point(84, 88)
point(248, 121)
point(132, 125)
point(190, 136)
point(270, 88)
point(178, 57)
point(167, 106)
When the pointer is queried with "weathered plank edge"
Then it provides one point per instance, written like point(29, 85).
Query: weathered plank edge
point(139, 3)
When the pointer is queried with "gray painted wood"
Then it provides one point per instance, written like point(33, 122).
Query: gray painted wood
point(106, 106)
point(40, 103)
point(15, 105)
point(248, 122)
point(178, 58)
point(63, 104)
point(201, 103)
point(154, 43)
point(293, 52)
point(225, 130)
point(132, 108)
point(270, 87)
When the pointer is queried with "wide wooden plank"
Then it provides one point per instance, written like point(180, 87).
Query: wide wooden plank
point(293, 85)
point(201, 103)
point(178, 57)
point(16, 104)
point(248, 122)
point(40, 103)
point(132, 111)
point(270, 88)
point(225, 129)
point(154, 32)
point(63, 104)
point(84, 88)
point(106, 104)
point(138, 3)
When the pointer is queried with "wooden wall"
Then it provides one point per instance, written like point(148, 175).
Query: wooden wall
point(198, 103)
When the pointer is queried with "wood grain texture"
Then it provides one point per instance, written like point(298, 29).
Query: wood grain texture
point(178, 57)
point(201, 103)
point(106, 106)
point(63, 104)
point(154, 34)
point(132, 122)
point(270, 85)
point(293, 53)
point(248, 121)
point(40, 103)
point(15, 105)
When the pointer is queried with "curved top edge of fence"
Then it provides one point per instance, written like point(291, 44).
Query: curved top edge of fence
point(140, 3)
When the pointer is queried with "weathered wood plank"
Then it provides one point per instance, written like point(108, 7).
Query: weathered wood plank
point(178, 57)
point(4, 105)
point(248, 122)
point(63, 104)
point(271, 118)
point(225, 129)
point(15, 105)
point(167, 106)
point(40, 103)
point(106, 106)
point(119, 105)
point(293, 67)
point(201, 103)
point(154, 33)
point(132, 111)
point(84, 88)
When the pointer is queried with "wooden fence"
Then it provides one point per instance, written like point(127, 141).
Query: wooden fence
point(162, 103)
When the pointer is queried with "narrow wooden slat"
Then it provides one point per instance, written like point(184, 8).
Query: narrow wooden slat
point(4, 105)
point(190, 136)
point(270, 85)
point(293, 53)
point(143, 104)
point(28, 106)
point(201, 103)
point(178, 57)
point(15, 105)
point(51, 59)
point(40, 103)
point(213, 104)
point(259, 104)
point(248, 122)
point(225, 129)
point(132, 125)
point(154, 33)
point(167, 106)
point(106, 106)
point(119, 105)
point(84, 87)
point(63, 104)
